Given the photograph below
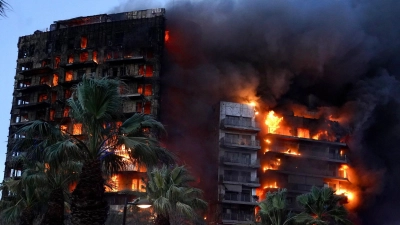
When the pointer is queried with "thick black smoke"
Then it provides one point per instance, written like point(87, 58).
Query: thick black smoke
point(344, 53)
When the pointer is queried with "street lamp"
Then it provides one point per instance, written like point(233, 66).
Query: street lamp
point(141, 203)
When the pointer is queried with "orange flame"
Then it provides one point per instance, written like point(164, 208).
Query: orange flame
point(166, 37)
point(272, 121)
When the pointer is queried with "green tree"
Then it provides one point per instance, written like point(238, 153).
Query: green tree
point(273, 209)
point(322, 207)
point(172, 196)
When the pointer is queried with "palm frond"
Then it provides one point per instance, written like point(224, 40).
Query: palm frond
point(3, 7)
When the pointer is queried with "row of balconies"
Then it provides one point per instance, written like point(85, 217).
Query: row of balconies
point(241, 161)
point(238, 217)
point(240, 179)
point(239, 197)
point(313, 172)
point(241, 142)
point(239, 124)
point(322, 154)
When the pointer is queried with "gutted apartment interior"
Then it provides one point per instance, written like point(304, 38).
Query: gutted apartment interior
point(127, 46)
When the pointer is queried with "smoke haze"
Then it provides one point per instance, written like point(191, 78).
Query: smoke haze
point(345, 54)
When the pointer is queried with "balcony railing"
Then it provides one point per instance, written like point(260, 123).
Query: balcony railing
point(240, 179)
point(239, 197)
point(308, 153)
point(238, 217)
point(247, 124)
point(317, 172)
point(241, 142)
point(241, 161)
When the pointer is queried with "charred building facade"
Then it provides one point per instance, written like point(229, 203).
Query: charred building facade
point(126, 46)
point(260, 154)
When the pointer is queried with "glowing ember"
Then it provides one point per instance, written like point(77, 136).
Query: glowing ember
point(272, 121)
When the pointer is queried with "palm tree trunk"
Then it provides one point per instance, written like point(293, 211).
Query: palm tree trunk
point(27, 216)
point(55, 211)
point(88, 204)
point(162, 220)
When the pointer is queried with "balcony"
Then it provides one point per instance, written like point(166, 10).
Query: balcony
point(285, 136)
point(27, 105)
point(41, 86)
point(241, 143)
point(125, 60)
point(240, 162)
point(239, 198)
point(253, 182)
point(334, 174)
point(77, 65)
point(306, 153)
point(237, 217)
point(236, 124)
point(40, 70)
point(132, 95)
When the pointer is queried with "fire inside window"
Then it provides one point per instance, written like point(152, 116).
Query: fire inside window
point(51, 114)
point(70, 59)
point(69, 75)
point(45, 80)
point(146, 71)
point(94, 56)
point(83, 42)
point(303, 133)
point(57, 61)
point(66, 112)
point(64, 128)
point(143, 108)
point(77, 129)
point(53, 96)
point(55, 79)
point(67, 93)
point(84, 56)
point(42, 97)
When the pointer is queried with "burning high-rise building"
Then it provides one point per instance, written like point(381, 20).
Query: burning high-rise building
point(126, 46)
point(262, 153)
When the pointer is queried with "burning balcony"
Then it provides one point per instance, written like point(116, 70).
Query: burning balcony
point(241, 143)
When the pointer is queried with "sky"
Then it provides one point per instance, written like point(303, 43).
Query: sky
point(24, 18)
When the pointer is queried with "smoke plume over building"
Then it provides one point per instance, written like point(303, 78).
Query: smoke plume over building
point(338, 57)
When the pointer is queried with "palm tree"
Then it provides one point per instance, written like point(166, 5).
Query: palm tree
point(169, 190)
point(96, 107)
point(273, 209)
point(322, 207)
point(96, 104)
point(40, 136)
point(3, 7)
point(23, 204)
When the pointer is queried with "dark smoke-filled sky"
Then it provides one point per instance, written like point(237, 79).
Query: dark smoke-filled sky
point(343, 54)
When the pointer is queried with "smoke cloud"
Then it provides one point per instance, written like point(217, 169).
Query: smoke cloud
point(344, 54)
